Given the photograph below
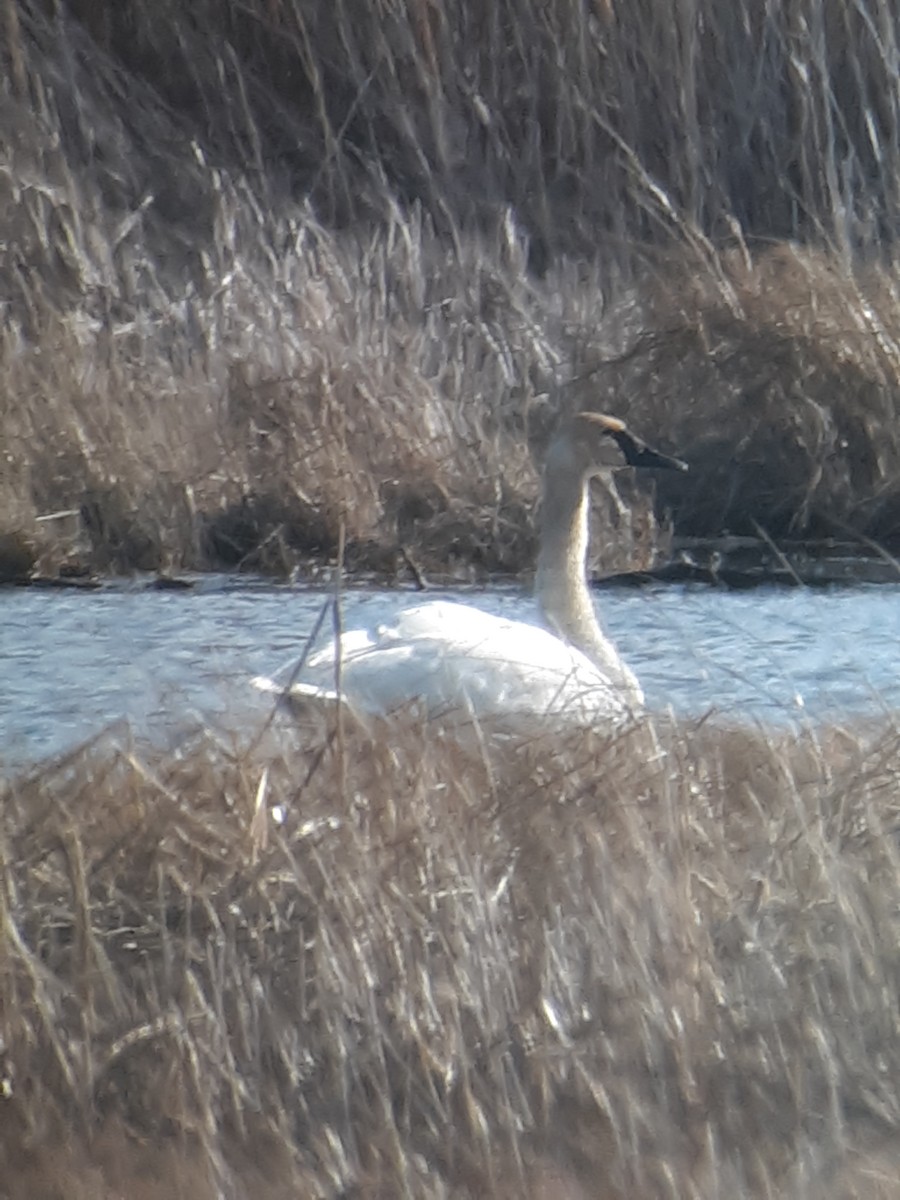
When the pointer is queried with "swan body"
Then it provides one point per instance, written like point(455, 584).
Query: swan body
point(454, 661)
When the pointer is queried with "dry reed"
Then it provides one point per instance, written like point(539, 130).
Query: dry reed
point(270, 270)
point(660, 964)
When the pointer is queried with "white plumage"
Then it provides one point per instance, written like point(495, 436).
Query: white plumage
point(456, 662)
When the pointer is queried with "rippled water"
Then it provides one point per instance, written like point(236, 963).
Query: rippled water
point(70, 662)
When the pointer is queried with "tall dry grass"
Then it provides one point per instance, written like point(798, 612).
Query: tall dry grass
point(278, 274)
point(271, 270)
point(663, 964)
point(604, 120)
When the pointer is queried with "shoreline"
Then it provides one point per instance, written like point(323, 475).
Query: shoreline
point(731, 563)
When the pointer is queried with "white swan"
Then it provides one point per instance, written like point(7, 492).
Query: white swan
point(457, 661)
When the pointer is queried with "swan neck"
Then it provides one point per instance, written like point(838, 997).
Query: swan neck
point(561, 583)
point(561, 587)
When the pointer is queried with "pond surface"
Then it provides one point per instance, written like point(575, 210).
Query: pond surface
point(71, 662)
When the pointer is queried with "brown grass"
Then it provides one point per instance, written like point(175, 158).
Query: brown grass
point(273, 270)
point(664, 964)
point(274, 275)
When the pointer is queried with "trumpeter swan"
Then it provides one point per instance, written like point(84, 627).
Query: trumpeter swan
point(457, 661)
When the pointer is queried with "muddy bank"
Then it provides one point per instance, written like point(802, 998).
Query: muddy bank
point(730, 563)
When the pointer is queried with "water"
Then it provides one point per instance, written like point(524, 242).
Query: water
point(71, 662)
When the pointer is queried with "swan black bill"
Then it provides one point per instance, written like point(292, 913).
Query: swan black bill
point(636, 454)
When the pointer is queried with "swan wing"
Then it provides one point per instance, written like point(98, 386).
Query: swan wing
point(452, 658)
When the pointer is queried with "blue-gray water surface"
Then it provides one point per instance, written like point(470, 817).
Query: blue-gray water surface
point(71, 662)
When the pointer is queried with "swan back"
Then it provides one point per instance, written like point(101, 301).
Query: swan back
point(454, 662)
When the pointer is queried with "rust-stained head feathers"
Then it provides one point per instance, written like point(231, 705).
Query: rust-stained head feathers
point(608, 442)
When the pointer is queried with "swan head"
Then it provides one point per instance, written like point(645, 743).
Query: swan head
point(594, 443)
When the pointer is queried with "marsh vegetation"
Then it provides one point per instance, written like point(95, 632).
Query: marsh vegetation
point(664, 964)
point(274, 270)
point(278, 277)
